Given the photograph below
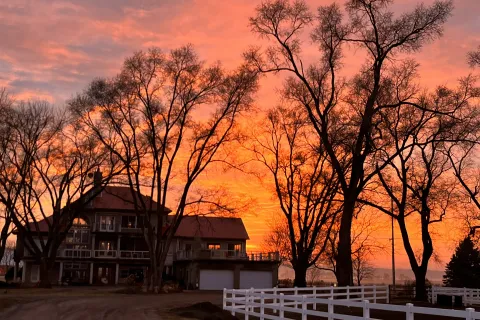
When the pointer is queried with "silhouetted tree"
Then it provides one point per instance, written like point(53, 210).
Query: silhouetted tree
point(348, 131)
point(166, 117)
point(8, 256)
point(463, 270)
point(474, 58)
point(364, 247)
point(417, 177)
point(51, 167)
point(306, 187)
point(8, 190)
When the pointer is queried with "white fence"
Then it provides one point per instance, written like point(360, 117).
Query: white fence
point(273, 303)
point(469, 296)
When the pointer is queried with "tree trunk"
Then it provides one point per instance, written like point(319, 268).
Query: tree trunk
point(44, 274)
point(344, 258)
point(420, 284)
point(300, 275)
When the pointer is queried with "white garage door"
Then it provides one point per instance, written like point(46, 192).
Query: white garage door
point(255, 279)
point(216, 279)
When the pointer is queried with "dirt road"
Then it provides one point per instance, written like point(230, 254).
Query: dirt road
point(83, 305)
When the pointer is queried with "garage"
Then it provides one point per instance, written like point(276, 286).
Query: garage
point(216, 279)
point(255, 279)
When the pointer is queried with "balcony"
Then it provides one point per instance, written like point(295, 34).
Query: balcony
point(134, 255)
point(130, 229)
point(75, 253)
point(206, 254)
point(103, 254)
point(109, 254)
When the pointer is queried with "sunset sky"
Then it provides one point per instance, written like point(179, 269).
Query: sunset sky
point(51, 49)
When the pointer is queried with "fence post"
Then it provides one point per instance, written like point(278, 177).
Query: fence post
point(281, 307)
point(374, 294)
point(409, 311)
point(224, 302)
point(470, 313)
point(348, 292)
point(233, 303)
point(275, 299)
point(252, 299)
point(315, 297)
point(331, 292)
point(434, 295)
point(330, 308)
point(304, 307)
point(366, 310)
point(388, 294)
point(262, 305)
point(362, 292)
point(295, 292)
point(465, 296)
point(247, 307)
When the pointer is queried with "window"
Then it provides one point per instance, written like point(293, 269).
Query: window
point(214, 246)
point(79, 236)
point(35, 273)
point(79, 223)
point(107, 223)
point(129, 222)
point(79, 233)
point(105, 245)
point(188, 247)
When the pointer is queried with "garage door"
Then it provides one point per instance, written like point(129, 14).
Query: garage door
point(255, 279)
point(216, 279)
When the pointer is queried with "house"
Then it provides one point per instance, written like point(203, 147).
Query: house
point(106, 244)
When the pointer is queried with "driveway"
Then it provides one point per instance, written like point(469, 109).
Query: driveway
point(91, 304)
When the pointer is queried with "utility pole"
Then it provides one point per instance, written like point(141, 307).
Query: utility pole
point(393, 250)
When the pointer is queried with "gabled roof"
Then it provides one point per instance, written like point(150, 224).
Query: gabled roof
point(212, 228)
point(112, 198)
point(119, 198)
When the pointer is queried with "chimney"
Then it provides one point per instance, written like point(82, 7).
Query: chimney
point(97, 178)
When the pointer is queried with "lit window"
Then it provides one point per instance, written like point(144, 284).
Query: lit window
point(214, 246)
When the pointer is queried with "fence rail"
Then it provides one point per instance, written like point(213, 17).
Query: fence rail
point(273, 303)
point(469, 296)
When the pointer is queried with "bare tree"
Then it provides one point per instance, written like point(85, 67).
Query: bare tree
point(347, 130)
point(166, 117)
point(8, 193)
point(277, 239)
point(53, 165)
point(305, 185)
point(9, 254)
point(364, 246)
point(417, 175)
point(474, 58)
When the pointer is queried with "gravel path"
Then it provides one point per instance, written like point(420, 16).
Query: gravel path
point(71, 306)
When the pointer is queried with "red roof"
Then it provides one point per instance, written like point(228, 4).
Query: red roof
point(212, 228)
point(111, 198)
point(119, 198)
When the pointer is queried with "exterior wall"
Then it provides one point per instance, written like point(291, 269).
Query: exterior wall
point(29, 266)
point(189, 272)
point(116, 267)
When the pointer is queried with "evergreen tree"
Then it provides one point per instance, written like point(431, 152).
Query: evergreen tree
point(463, 270)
